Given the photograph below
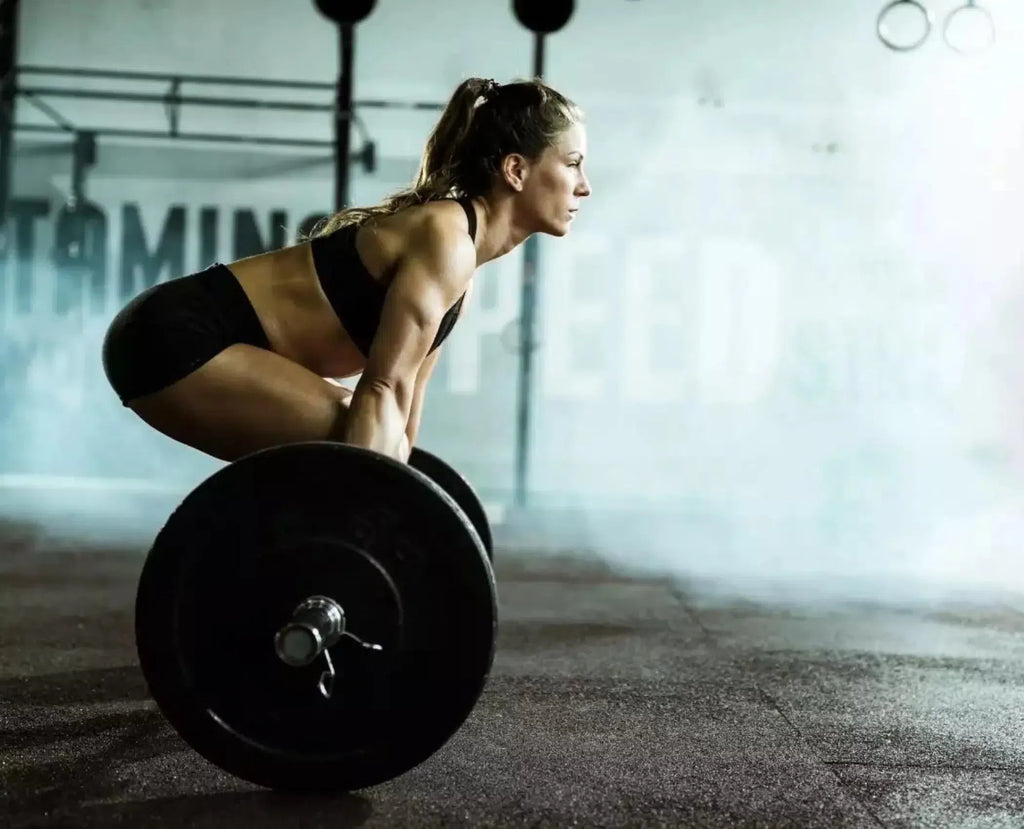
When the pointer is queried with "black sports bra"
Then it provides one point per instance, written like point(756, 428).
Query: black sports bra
point(356, 297)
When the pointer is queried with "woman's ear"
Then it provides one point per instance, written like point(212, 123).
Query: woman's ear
point(513, 171)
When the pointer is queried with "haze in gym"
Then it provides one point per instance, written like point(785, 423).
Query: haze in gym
point(750, 437)
point(781, 338)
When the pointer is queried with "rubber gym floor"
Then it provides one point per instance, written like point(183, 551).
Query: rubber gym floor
point(613, 701)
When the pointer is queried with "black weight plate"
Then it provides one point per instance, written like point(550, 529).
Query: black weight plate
point(459, 488)
point(263, 534)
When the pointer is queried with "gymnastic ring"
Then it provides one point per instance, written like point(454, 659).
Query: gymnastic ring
point(968, 6)
point(880, 25)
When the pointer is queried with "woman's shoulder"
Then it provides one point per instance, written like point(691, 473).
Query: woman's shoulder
point(432, 232)
point(435, 215)
point(438, 222)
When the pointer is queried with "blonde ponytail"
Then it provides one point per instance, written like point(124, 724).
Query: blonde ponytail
point(435, 177)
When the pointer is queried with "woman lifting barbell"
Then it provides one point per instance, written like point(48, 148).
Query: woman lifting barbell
point(234, 358)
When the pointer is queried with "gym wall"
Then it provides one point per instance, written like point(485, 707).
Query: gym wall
point(789, 313)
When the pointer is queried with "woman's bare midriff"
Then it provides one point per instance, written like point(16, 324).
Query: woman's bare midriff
point(285, 293)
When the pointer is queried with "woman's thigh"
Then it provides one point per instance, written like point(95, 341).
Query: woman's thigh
point(244, 399)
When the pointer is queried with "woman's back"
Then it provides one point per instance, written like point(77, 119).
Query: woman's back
point(288, 294)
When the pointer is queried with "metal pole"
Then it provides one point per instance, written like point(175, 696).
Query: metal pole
point(342, 114)
point(213, 138)
point(8, 61)
point(528, 303)
point(171, 98)
point(219, 80)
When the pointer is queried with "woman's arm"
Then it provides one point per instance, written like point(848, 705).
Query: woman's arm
point(412, 428)
point(430, 278)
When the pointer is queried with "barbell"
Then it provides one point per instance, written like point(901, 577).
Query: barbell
point(459, 489)
point(319, 617)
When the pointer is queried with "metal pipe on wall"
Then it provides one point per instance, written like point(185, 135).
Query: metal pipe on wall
point(542, 17)
point(342, 117)
point(527, 315)
point(8, 61)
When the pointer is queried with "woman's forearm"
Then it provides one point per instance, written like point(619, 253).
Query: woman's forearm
point(376, 421)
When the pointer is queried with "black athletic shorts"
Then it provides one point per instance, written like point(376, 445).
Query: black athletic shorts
point(171, 329)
